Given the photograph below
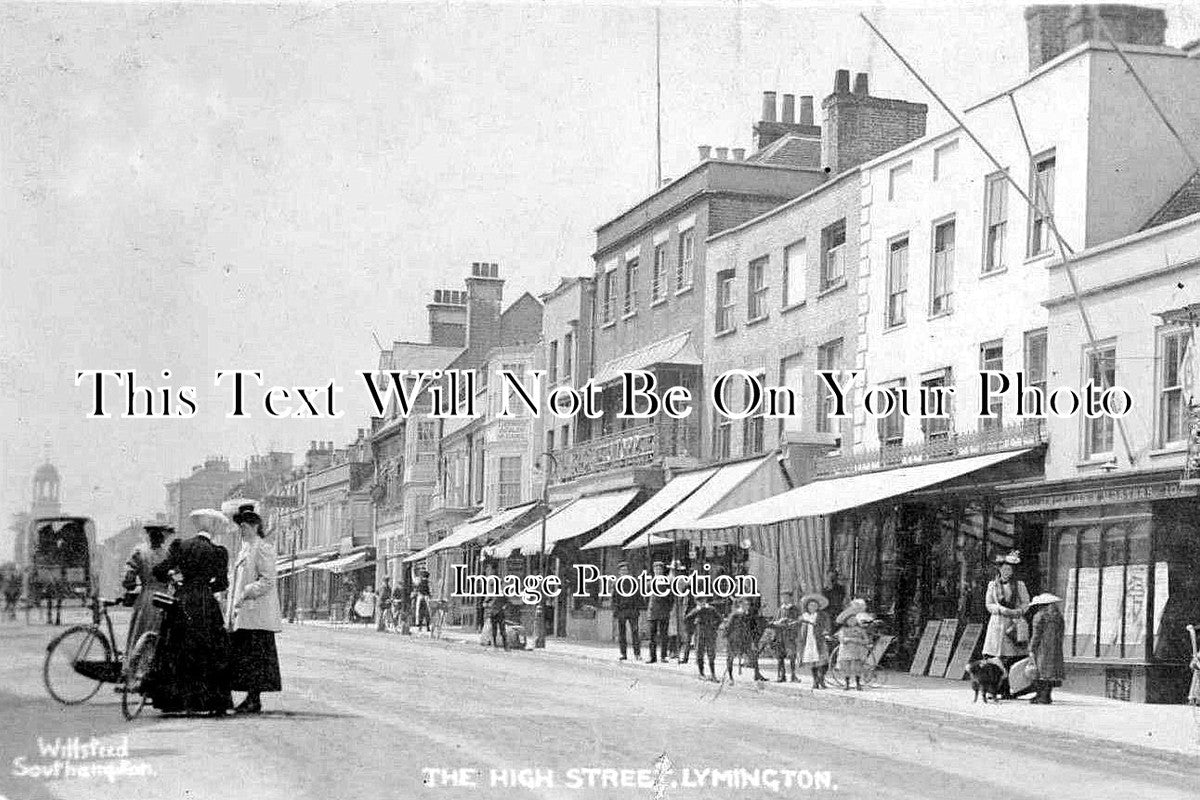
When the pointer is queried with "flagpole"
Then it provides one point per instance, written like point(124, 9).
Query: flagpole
point(657, 98)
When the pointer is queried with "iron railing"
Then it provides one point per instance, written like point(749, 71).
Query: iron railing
point(639, 446)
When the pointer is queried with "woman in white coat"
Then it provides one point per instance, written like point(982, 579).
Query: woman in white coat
point(254, 616)
point(1007, 601)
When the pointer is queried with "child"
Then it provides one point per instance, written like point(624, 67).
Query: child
point(853, 645)
point(787, 624)
point(497, 610)
point(814, 629)
point(741, 637)
point(704, 620)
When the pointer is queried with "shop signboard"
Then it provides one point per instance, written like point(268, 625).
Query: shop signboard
point(925, 647)
point(943, 648)
point(964, 651)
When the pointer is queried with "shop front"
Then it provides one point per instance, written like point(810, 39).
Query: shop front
point(1123, 552)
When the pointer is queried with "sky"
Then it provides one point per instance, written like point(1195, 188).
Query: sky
point(251, 186)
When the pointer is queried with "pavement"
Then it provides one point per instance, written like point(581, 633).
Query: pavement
point(365, 714)
point(1159, 729)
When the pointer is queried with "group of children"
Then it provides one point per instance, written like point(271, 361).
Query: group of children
point(798, 633)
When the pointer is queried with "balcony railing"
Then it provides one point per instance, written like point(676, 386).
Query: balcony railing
point(640, 446)
point(1029, 433)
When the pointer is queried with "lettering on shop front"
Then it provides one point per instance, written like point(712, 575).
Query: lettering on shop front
point(1096, 497)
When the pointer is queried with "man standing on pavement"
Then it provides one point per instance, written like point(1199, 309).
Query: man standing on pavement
point(627, 610)
point(660, 619)
point(385, 605)
point(834, 591)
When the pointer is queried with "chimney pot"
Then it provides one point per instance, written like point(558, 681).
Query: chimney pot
point(739, 153)
point(806, 109)
point(860, 84)
point(841, 81)
point(722, 153)
point(768, 108)
point(705, 152)
point(789, 109)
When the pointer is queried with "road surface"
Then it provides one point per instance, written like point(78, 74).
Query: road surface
point(369, 715)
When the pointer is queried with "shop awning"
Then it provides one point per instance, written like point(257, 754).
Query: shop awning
point(677, 349)
point(574, 519)
point(832, 495)
point(713, 493)
point(474, 528)
point(345, 563)
point(675, 492)
point(286, 564)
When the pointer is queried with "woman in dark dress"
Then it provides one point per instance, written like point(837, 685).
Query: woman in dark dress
point(191, 663)
point(254, 615)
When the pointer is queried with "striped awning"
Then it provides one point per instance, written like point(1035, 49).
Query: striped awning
point(475, 528)
point(577, 518)
point(662, 502)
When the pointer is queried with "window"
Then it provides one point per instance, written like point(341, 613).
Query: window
point(568, 357)
point(897, 282)
point(1102, 371)
point(722, 436)
point(631, 281)
point(564, 436)
point(687, 253)
point(516, 406)
point(427, 440)
point(995, 222)
point(833, 255)
point(937, 428)
point(829, 356)
point(550, 441)
point(942, 276)
point(510, 481)
point(756, 289)
point(795, 269)
point(891, 427)
point(1174, 349)
point(478, 474)
point(552, 366)
point(943, 159)
point(658, 285)
point(724, 319)
point(792, 377)
point(609, 306)
point(1041, 190)
point(991, 357)
point(898, 180)
point(752, 426)
point(1035, 359)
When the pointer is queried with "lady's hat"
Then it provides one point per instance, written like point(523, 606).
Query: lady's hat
point(676, 565)
point(236, 505)
point(246, 514)
point(1013, 558)
point(158, 527)
point(821, 600)
point(209, 520)
point(864, 617)
point(856, 607)
point(1045, 599)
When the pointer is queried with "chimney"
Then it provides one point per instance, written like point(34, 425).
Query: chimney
point(1053, 30)
point(859, 127)
point(448, 318)
point(722, 153)
point(769, 130)
point(806, 109)
point(789, 109)
point(768, 108)
point(705, 152)
point(739, 153)
point(485, 292)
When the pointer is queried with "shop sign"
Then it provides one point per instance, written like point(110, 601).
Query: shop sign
point(1101, 496)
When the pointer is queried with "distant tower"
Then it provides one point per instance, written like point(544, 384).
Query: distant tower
point(47, 486)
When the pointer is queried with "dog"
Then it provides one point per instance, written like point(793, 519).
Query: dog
point(988, 679)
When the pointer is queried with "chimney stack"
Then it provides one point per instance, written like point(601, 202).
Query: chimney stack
point(789, 109)
point(768, 107)
point(722, 153)
point(705, 152)
point(859, 127)
point(806, 109)
point(1053, 30)
point(739, 153)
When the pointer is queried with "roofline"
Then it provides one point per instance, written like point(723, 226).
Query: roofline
point(766, 215)
point(1049, 66)
point(702, 165)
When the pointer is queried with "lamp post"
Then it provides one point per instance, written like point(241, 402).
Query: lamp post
point(540, 619)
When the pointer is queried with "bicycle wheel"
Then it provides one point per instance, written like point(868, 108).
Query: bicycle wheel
point(834, 672)
point(75, 647)
point(133, 700)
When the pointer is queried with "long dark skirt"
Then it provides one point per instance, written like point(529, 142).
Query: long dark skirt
point(191, 662)
point(254, 662)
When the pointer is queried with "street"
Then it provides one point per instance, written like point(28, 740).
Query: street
point(365, 714)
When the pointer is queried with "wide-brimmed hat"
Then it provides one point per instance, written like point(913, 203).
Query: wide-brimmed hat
point(856, 606)
point(1045, 599)
point(1013, 558)
point(821, 600)
point(209, 520)
point(864, 617)
point(676, 565)
point(158, 527)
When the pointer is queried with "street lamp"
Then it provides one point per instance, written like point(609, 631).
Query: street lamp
point(540, 619)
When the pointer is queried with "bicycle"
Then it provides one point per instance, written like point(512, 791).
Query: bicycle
point(83, 658)
point(871, 675)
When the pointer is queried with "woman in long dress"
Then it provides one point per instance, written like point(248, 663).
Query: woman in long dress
point(1046, 646)
point(139, 577)
point(191, 664)
point(254, 617)
point(1007, 601)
